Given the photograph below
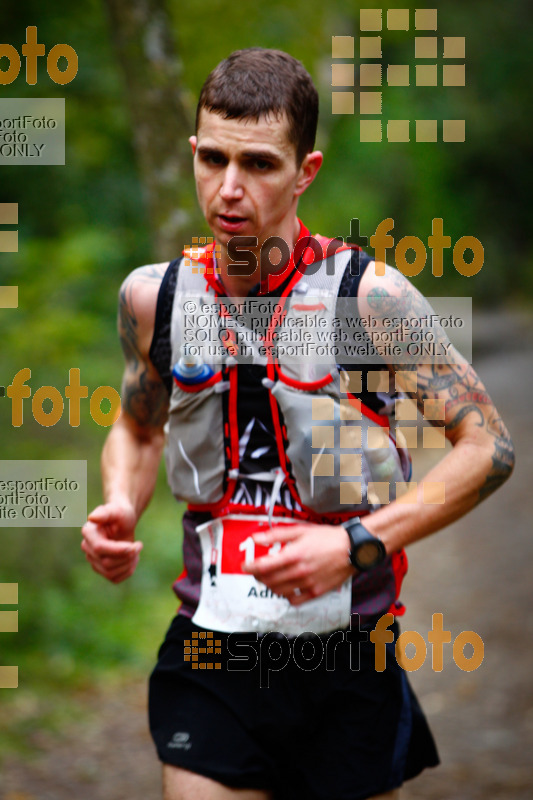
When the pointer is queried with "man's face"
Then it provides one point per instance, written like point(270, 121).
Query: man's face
point(247, 178)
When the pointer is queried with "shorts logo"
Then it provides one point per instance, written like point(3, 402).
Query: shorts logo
point(180, 740)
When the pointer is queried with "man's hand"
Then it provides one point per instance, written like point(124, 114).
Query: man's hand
point(313, 560)
point(108, 541)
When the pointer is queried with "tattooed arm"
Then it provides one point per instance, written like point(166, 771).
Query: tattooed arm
point(482, 457)
point(132, 451)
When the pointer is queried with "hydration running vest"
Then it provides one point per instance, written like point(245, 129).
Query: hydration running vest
point(335, 454)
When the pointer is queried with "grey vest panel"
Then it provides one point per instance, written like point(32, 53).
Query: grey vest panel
point(195, 445)
point(337, 464)
point(334, 462)
point(195, 441)
point(334, 468)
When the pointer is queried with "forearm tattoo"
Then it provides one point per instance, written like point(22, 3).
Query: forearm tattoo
point(455, 381)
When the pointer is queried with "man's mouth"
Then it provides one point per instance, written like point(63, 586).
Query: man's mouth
point(231, 218)
point(231, 222)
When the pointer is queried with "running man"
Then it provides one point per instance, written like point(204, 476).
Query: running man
point(289, 467)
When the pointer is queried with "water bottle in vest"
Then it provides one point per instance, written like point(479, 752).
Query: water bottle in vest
point(383, 464)
point(190, 369)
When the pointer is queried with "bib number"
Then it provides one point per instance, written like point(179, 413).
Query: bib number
point(234, 601)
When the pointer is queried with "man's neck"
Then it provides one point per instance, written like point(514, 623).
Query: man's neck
point(239, 285)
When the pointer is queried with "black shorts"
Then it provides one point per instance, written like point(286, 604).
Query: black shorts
point(308, 719)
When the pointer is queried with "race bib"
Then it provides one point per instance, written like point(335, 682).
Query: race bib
point(234, 601)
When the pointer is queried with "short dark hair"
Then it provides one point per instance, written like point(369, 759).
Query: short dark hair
point(257, 82)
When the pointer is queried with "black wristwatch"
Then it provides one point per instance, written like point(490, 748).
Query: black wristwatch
point(366, 550)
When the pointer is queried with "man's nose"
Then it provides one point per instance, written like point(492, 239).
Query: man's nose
point(232, 188)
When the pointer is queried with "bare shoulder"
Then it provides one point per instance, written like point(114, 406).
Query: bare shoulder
point(144, 396)
point(384, 290)
point(391, 308)
point(140, 289)
point(388, 301)
point(137, 306)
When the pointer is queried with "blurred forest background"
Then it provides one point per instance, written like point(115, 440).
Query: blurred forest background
point(84, 226)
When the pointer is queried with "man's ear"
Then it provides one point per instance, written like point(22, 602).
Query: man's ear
point(308, 170)
point(193, 141)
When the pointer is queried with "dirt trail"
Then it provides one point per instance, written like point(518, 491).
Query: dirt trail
point(477, 573)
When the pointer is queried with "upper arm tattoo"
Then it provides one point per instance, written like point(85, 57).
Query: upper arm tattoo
point(455, 381)
point(144, 396)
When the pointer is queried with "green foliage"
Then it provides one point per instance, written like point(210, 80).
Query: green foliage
point(76, 630)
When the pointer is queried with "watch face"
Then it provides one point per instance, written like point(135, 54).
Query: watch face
point(368, 553)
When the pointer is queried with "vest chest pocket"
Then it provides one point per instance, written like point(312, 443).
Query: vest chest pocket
point(195, 442)
point(342, 458)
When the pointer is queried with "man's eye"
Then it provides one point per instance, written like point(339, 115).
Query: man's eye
point(213, 158)
point(262, 165)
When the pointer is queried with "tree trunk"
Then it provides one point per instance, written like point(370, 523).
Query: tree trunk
point(161, 122)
